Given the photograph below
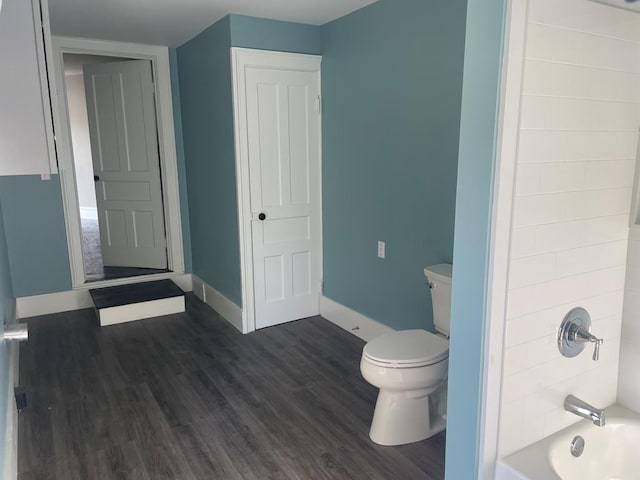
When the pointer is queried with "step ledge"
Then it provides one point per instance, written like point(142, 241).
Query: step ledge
point(141, 310)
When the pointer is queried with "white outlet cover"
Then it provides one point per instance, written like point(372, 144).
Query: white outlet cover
point(381, 249)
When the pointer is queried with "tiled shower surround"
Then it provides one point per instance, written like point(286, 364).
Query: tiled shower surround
point(579, 121)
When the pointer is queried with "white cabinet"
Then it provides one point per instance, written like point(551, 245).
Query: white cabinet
point(26, 132)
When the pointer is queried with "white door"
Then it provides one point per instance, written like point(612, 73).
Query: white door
point(283, 147)
point(126, 163)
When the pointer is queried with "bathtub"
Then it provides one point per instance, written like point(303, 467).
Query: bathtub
point(611, 452)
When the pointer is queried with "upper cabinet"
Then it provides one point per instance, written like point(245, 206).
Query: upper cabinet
point(26, 131)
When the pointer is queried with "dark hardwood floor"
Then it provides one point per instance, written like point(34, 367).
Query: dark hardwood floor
point(187, 397)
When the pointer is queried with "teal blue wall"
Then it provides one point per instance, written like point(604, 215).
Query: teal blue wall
point(207, 119)
point(252, 32)
point(34, 221)
point(7, 306)
point(391, 82)
point(476, 165)
point(36, 237)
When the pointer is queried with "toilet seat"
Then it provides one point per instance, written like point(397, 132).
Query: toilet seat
point(406, 349)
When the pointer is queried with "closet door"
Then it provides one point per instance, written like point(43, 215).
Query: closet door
point(280, 93)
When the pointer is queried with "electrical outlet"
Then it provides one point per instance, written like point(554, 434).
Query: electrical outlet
point(381, 249)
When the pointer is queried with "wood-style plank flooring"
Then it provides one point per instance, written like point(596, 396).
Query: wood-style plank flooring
point(187, 397)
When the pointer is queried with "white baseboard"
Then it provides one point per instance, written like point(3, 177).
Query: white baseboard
point(228, 310)
point(141, 310)
point(53, 303)
point(353, 322)
point(197, 287)
point(78, 299)
point(10, 471)
point(183, 281)
point(89, 213)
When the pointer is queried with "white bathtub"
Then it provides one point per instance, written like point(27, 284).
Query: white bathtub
point(611, 452)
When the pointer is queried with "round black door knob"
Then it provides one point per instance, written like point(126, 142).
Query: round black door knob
point(96, 178)
point(262, 216)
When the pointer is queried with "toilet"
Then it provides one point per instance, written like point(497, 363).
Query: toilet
point(410, 369)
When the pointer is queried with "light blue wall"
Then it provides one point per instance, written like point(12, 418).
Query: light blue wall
point(480, 104)
point(36, 237)
point(7, 306)
point(260, 33)
point(207, 121)
point(34, 221)
point(391, 81)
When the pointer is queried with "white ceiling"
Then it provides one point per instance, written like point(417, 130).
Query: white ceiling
point(173, 22)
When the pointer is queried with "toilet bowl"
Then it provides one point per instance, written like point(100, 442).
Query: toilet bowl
point(410, 369)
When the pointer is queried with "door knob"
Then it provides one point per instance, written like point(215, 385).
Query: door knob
point(262, 216)
point(96, 178)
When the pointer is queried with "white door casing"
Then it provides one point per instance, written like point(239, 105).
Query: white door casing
point(278, 130)
point(159, 57)
point(126, 163)
point(508, 130)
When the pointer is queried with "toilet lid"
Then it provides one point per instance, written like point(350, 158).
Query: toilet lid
point(406, 348)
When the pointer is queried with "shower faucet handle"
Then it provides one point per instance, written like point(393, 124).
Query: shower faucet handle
point(582, 335)
point(574, 334)
point(596, 350)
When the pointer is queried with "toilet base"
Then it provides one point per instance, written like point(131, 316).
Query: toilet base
point(405, 417)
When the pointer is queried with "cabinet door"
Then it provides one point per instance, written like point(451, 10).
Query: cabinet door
point(26, 138)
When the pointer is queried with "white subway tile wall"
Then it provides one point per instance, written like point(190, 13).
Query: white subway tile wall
point(579, 120)
point(629, 375)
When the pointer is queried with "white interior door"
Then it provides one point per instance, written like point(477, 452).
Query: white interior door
point(283, 140)
point(126, 163)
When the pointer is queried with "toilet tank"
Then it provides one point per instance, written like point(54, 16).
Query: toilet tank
point(439, 277)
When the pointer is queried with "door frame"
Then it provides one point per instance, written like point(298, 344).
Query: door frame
point(241, 58)
point(506, 148)
point(159, 57)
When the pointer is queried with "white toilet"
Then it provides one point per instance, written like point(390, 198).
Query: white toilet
point(410, 369)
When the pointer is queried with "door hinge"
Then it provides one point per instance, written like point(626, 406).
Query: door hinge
point(319, 104)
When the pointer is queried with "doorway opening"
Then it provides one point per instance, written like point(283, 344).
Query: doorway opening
point(168, 225)
point(116, 162)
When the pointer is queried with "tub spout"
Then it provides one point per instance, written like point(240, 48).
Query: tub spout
point(583, 409)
